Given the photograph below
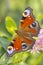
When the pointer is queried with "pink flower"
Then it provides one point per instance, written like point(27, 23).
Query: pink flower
point(38, 46)
point(41, 31)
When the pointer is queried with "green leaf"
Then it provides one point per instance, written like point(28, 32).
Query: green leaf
point(4, 42)
point(19, 55)
point(39, 17)
point(34, 37)
point(3, 30)
point(6, 59)
point(2, 50)
point(35, 59)
point(39, 59)
point(10, 25)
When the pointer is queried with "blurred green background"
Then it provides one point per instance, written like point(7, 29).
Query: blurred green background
point(11, 10)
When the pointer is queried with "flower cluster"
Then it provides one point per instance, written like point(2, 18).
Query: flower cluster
point(38, 46)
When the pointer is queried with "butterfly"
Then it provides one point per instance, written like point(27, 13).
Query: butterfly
point(28, 28)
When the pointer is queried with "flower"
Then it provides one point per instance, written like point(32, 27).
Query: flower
point(38, 46)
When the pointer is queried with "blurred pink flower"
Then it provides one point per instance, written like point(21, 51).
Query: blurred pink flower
point(38, 46)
